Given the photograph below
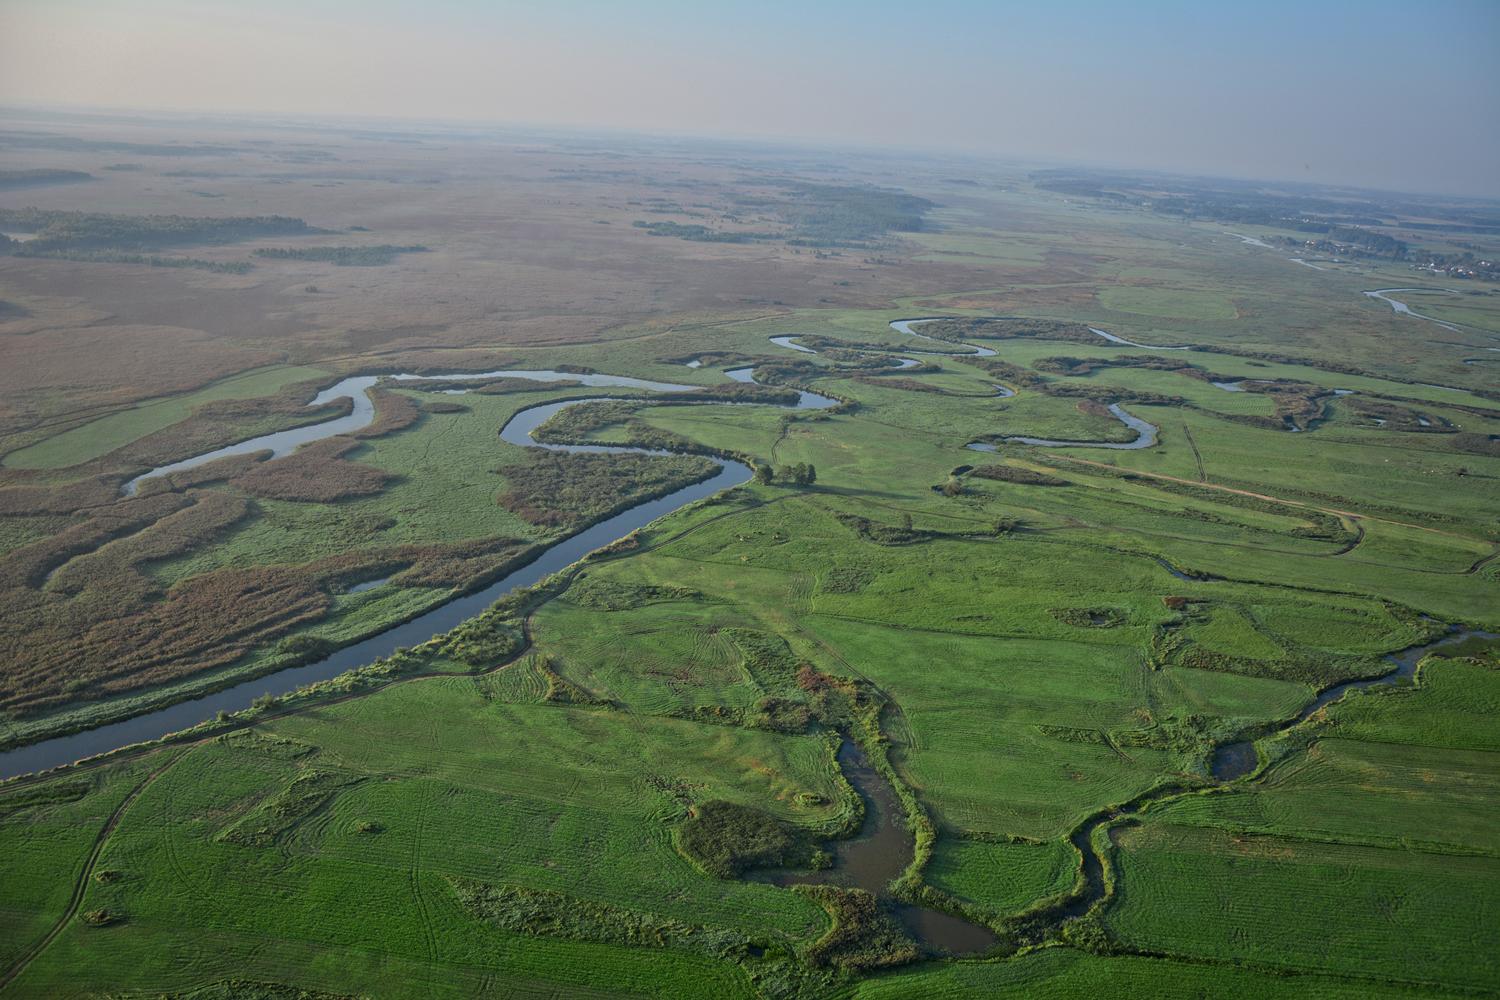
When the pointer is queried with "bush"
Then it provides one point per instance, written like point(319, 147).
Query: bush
point(727, 839)
point(1016, 474)
point(863, 936)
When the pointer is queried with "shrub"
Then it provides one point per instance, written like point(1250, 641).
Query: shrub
point(726, 839)
point(1017, 474)
point(863, 936)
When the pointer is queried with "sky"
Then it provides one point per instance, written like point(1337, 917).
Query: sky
point(1400, 96)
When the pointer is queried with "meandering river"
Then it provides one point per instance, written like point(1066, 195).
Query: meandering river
point(1145, 436)
point(155, 724)
point(1235, 760)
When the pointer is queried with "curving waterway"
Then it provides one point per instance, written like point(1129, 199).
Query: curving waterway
point(1235, 760)
point(362, 413)
point(877, 855)
point(1145, 432)
point(1402, 309)
point(901, 364)
point(905, 326)
point(152, 725)
point(1116, 339)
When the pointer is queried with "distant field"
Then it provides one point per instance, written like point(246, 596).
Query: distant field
point(1176, 303)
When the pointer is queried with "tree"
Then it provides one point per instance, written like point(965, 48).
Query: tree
point(802, 474)
point(764, 475)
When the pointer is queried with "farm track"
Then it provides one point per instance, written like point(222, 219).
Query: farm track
point(414, 878)
point(80, 887)
point(1197, 456)
point(1261, 496)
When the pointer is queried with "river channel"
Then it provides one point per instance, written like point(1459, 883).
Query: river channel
point(1235, 760)
point(879, 853)
point(155, 724)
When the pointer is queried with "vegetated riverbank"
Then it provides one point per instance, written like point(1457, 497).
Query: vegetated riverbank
point(1235, 760)
point(878, 854)
point(1146, 436)
point(238, 694)
point(1074, 914)
point(1402, 309)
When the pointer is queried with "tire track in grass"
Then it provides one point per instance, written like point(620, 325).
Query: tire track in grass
point(415, 879)
point(1260, 496)
point(81, 886)
point(1197, 456)
point(1481, 562)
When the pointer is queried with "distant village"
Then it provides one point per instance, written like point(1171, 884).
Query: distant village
point(1463, 265)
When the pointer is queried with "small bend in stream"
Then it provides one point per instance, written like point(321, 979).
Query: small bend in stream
point(1402, 309)
point(1235, 760)
point(1230, 762)
point(877, 855)
point(901, 364)
point(1145, 431)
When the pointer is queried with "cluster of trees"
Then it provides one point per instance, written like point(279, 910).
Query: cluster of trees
point(817, 215)
point(561, 489)
point(701, 234)
point(799, 474)
point(845, 215)
point(12, 179)
point(58, 230)
point(341, 256)
point(121, 257)
point(1347, 223)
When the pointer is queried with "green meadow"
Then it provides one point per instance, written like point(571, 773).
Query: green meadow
point(1041, 648)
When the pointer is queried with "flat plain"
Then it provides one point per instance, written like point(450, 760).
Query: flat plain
point(605, 784)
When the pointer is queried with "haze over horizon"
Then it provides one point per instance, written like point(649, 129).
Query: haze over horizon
point(1322, 92)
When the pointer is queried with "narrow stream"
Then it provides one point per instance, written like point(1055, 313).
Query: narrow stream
point(1235, 760)
point(1401, 308)
point(905, 326)
point(901, 364)
point(357, 388)
point(1115, 339)
point(1249, 240)
point(151, 725)
point(878, 854)
point(1145, 436)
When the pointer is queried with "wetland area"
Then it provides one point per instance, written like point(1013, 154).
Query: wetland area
point(640, 567)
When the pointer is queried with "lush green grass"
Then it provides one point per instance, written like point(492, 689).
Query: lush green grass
point(1036, 658)
point(1006, 877)
point(1064, 973)
point(1405, 916)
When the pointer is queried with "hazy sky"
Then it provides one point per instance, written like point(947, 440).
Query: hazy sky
point(1396, 95)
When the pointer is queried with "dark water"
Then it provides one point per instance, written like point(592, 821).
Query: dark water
point(1235, 760)
point(1145, 436)
point(153, 725)
point(878, 854)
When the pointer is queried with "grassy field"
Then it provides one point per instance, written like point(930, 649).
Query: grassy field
point(1040, 648)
